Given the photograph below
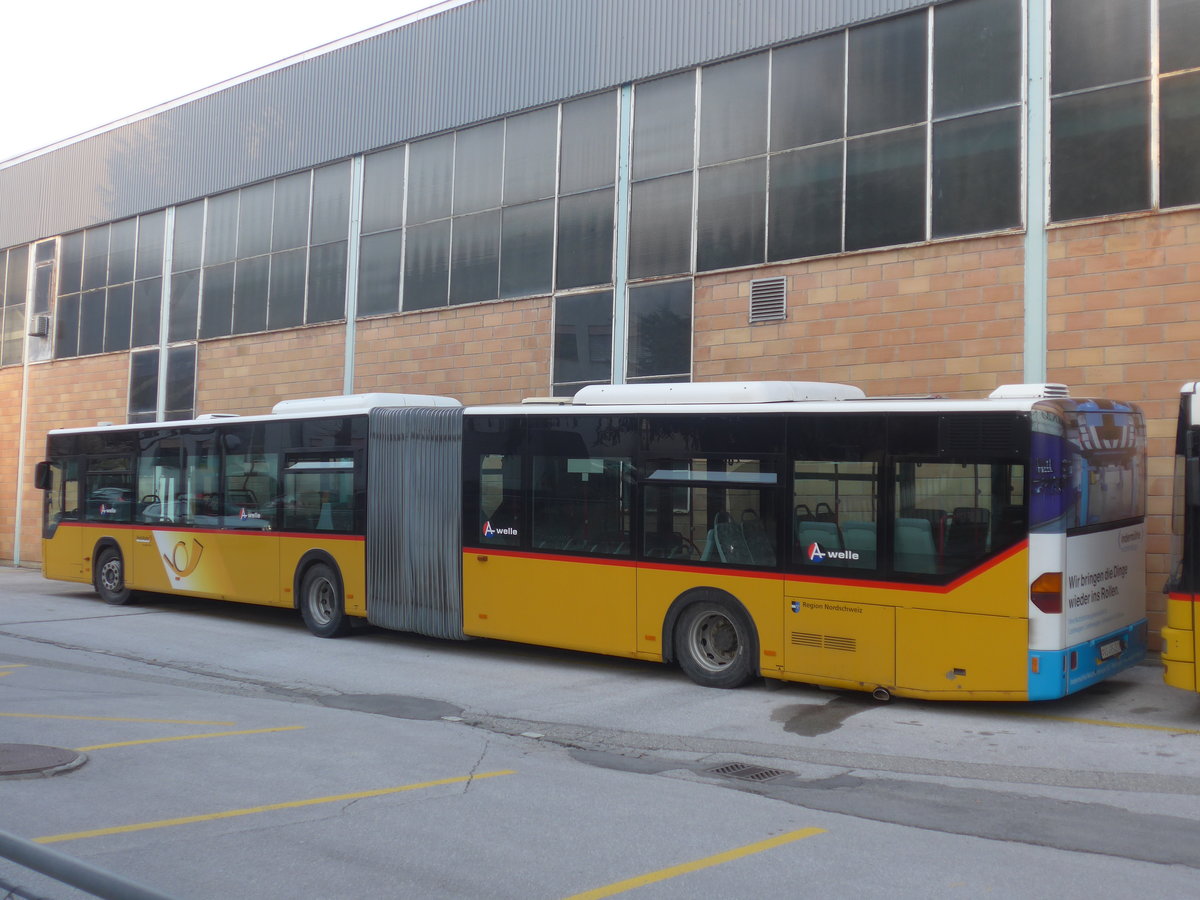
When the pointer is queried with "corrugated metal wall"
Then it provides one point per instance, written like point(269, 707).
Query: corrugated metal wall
point(463, 65)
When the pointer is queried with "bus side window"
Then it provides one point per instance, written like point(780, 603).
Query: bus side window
point(500, 500)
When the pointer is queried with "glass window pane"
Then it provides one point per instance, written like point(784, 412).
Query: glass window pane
point(886, 83)
point(250, 294)
point(285, 308)
point(885, 189)
point(189, 236)
point(835, 517)
point(121, 242)
point(147, 305)
point(254, 220)
point(216, 304)
point(589, 143)
point(326, 283)
point(733, 109)
point(95, 258)
point(585, 239)
point(1178, 25)
point(14, 285)
point(660, 226)
point(976, 55)
point(731, 215)
point(426, 266)
point(1099, 152)
point(181, 381)
point(143, 382)
point(12, 340)
point(527, 249)
point(977, 173)
point(43, 279)
point(185, 304)
point(430, 171)
point(664, 125)
point(1180, 129)
point(805, 203)
point(660, 329)
point(475, 258)
point(530, 149)
point(150, 245)
point(808, 84)
point(478, 154)
point(118, 316)
point(91, 322)
point(70, 263)
point(290, 222)
point(379, 273)
point(1095, 42)
point(331, 203)
point(220, 229)
point(583, 337)
point(383, 191)
point(66, 327)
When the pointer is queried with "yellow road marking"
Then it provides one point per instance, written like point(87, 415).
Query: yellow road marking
point(1077, 721)
point(233, 813)
point(10, 666)
point(189, 737)
point(111, 719)
point(663, 874)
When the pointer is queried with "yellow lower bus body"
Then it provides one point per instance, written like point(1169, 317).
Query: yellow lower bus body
point(969, 640)
point(966, 640)
point(1179, 643)
point(244, 566)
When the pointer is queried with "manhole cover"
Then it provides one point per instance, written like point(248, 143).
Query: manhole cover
point(27, 760)
point(747, 772)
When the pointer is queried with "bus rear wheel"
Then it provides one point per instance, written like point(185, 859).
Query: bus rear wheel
point(321, 602)
point(109, 577)
point(716, 646)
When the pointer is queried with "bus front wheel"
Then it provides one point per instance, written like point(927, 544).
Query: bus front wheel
point(321, 602)
point(715, 645)
point(109, 577)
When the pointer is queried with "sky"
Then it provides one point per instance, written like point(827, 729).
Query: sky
point(74, 65)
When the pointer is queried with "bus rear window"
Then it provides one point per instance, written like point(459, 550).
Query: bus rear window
point(1088, 469)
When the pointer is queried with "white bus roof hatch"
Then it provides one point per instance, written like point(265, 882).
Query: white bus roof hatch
point(714, 392)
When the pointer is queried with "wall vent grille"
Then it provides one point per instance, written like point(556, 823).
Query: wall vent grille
point(768, 300)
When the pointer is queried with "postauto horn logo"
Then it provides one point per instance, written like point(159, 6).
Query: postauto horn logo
point(817, 555)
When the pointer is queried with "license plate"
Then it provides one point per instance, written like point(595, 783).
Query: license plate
point(1109, 649)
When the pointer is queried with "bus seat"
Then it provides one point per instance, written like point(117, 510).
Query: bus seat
point(824, 533)
point(758, 542)
point(915, 550)
point(727, 542)
point(860, 537)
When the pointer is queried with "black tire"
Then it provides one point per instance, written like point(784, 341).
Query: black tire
point(716, 645)
point(108, 578)
point(321, 602)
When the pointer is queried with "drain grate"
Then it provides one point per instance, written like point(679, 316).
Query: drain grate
point(746, 772)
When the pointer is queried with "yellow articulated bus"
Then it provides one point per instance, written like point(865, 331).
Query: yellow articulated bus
point(947, 549)
point(1180, 635)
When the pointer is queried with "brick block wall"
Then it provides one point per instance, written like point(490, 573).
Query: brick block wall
point(251, 373)
point(1123, 317)
point(10, 439)
point(944, 319)
point(491, 353)
point(73, 393)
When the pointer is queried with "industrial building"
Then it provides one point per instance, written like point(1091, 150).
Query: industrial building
point(510, 198)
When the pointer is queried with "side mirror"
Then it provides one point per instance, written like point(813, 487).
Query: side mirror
point(42, 479)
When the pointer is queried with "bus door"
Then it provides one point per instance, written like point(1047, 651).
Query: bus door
point(1183, 583)
point(548, 557)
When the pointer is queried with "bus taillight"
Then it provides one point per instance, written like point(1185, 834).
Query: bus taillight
point(1046, 592)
